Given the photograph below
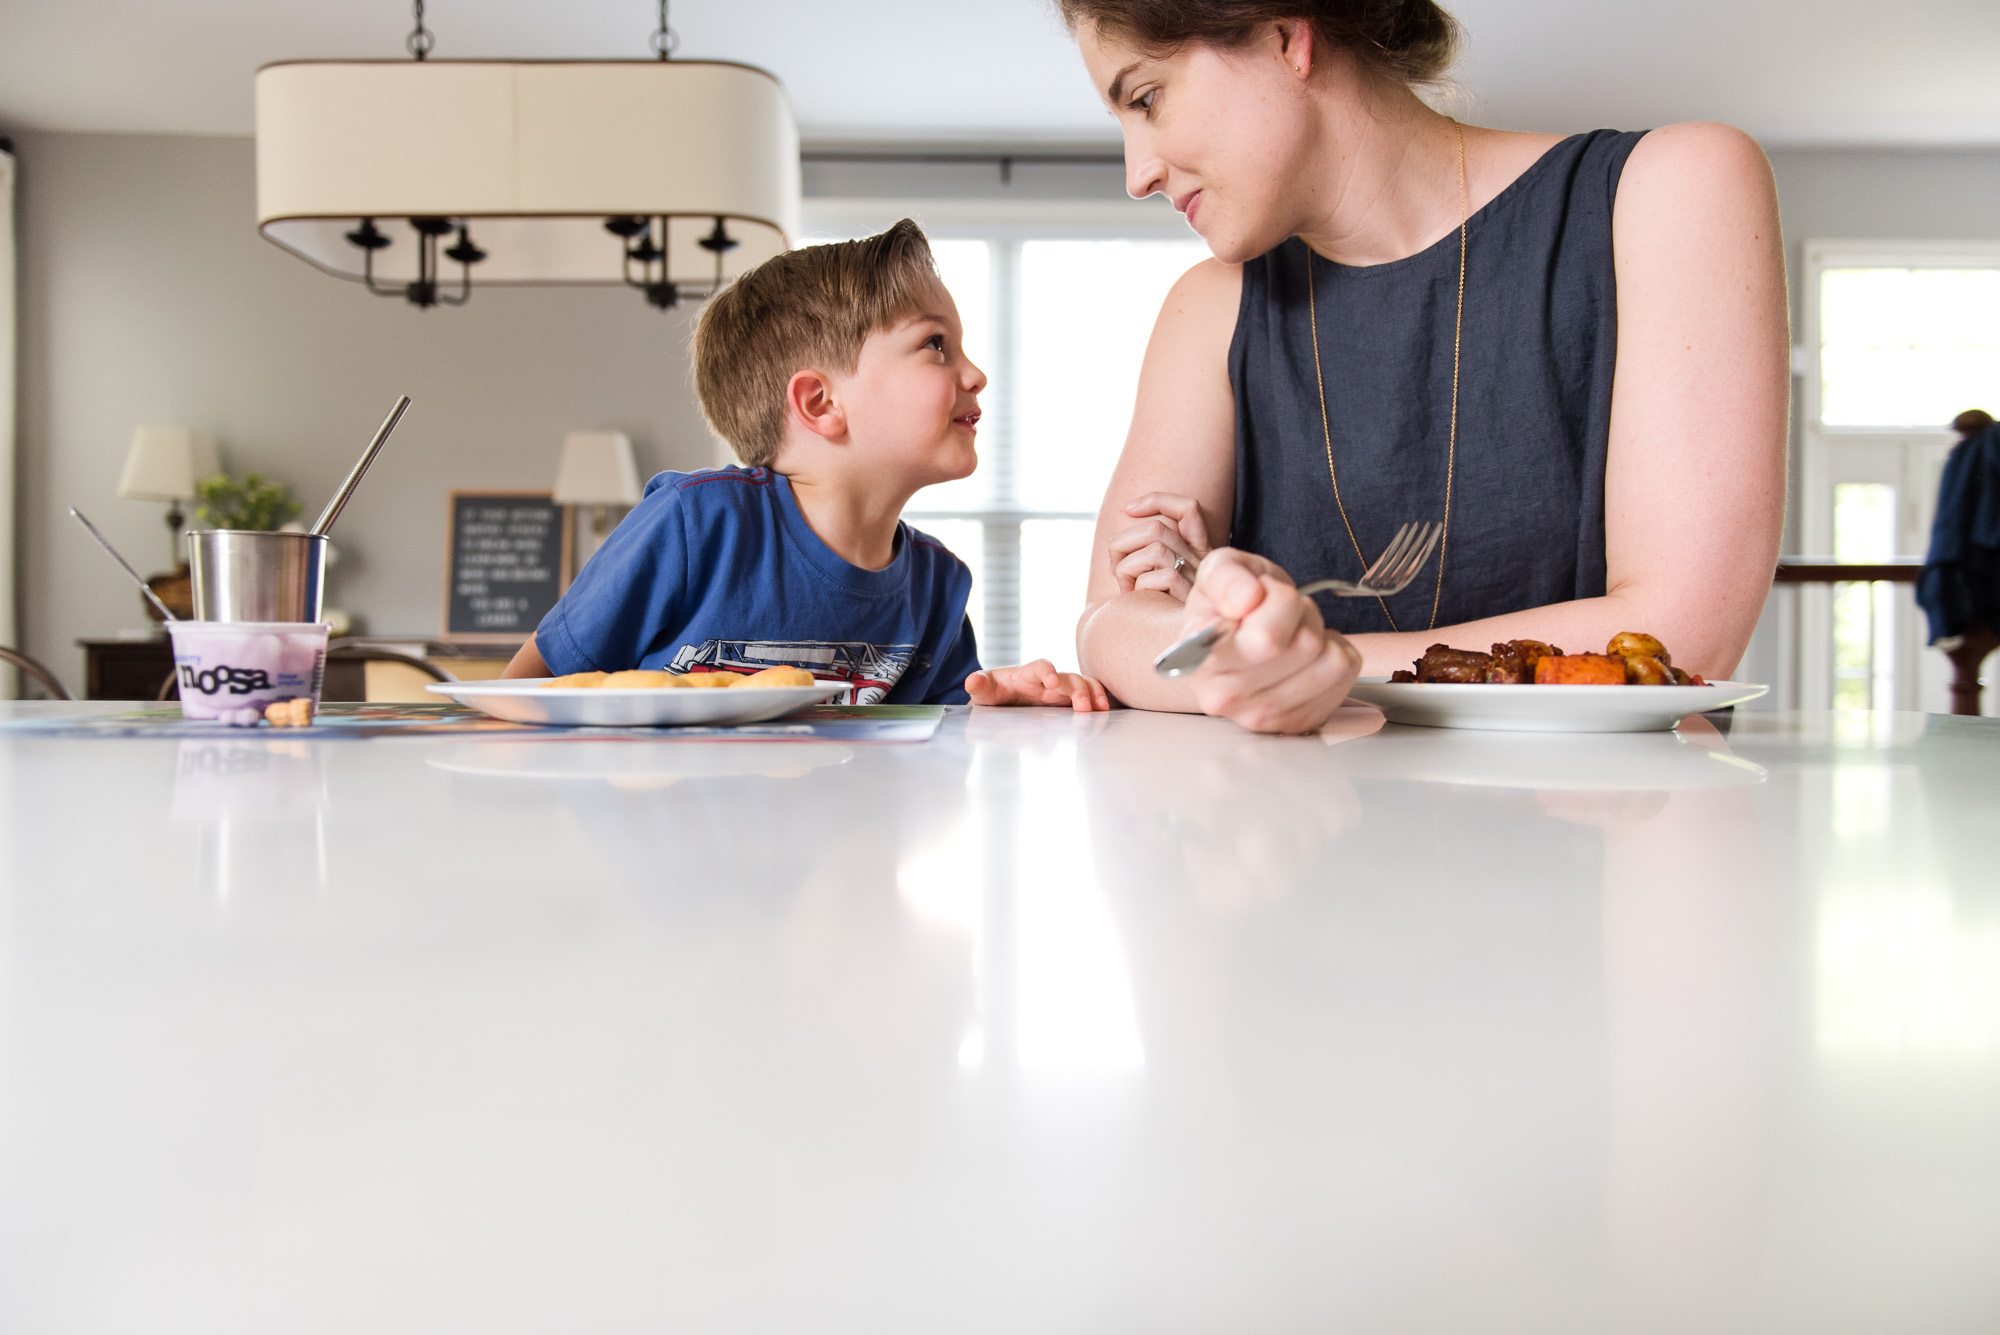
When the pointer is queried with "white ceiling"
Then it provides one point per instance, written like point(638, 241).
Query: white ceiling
point(1789, 71)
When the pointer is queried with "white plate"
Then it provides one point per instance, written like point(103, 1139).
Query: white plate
point(526, 700)
point(1548, 708)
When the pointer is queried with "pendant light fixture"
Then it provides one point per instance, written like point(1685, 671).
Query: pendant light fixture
point(668, 176)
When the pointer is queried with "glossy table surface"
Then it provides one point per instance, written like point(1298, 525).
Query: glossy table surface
point(1121, 1023)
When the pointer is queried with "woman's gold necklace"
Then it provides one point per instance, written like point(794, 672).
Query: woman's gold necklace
point(1451, 448)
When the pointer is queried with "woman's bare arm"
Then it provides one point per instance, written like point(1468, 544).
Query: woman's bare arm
point(1183, 440)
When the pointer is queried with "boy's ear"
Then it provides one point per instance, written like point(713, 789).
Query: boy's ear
point(809, 399)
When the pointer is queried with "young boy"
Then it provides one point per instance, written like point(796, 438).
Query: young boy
point(836, 373)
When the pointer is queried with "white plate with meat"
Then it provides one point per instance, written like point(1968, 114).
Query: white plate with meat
point(1531, 708)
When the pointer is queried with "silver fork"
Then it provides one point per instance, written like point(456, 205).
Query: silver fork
point(1392, 572)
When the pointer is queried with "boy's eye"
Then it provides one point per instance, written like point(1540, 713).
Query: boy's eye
point(935, 343)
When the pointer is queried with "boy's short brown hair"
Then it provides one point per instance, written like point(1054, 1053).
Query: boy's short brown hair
point(813, 306)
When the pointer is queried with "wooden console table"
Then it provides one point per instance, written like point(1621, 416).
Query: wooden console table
point(1966, 653)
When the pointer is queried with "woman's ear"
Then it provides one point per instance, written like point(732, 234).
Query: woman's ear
point(809, 399)
point(1295, 45)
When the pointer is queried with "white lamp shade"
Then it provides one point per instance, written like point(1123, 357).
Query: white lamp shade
point(597, 469)
point(533, 156)
point(165, 462)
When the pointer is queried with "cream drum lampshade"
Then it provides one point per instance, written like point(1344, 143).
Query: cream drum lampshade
point(531, 159)
point(165, 463)
point(597, 468)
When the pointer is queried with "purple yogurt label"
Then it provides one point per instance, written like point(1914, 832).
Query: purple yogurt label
point(231, 675)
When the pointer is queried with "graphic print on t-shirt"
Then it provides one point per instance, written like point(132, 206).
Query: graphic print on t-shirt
point(867, 671)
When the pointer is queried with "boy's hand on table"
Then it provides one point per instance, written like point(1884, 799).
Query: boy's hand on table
point(1037, 683)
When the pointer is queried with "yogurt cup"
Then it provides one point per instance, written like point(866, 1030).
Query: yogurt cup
point(229, 671)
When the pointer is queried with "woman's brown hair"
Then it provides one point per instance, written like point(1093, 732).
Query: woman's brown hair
point(1413, 41)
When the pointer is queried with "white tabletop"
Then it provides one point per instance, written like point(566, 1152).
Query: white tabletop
point(1127, 1023)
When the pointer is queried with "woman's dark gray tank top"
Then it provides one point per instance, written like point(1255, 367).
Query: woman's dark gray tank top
point(1534, 401)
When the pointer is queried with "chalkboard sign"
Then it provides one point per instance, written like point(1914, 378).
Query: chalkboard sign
point(507, 563)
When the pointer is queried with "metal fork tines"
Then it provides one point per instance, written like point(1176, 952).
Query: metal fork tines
point(1390, 573)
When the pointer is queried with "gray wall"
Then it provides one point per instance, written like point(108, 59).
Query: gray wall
point(147, 296)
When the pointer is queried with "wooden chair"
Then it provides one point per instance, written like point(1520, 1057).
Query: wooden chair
point(35, 669)
point(347, 671)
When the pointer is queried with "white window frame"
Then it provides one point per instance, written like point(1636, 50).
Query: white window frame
point(1909, 457)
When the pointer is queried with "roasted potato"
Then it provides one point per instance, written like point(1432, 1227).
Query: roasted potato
point(1637, 644)
point(1641, 670)
point(1581, 670)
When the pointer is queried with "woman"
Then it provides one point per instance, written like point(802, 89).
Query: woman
point(1570, 351)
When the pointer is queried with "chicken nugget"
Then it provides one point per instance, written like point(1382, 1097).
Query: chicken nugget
point(776, 676)
point(711, 680)
point(1580, 670)
point(639, 677)
point(576, 679)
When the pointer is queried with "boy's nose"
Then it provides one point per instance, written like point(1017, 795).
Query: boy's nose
point(975, 379)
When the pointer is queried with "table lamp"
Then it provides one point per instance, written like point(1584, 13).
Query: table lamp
point(597, 470)
point(164, 464)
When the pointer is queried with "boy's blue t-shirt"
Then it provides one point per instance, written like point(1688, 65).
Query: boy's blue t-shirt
point(719, 571)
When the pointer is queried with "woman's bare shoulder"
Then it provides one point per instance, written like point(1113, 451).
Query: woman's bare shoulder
point(1696, 155)
point(1211, 288)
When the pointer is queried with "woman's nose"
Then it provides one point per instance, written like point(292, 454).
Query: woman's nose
point(1145, 174)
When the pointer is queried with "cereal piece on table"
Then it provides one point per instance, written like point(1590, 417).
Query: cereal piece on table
point(294, 713)
point(639, 677)
point(776, 676)
point(1580, 670)
point(576, 679)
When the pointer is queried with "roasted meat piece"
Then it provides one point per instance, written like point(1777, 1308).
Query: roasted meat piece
point(1441, 662)
point(1581, 670)
point(1514, 662)
point(1403, 677)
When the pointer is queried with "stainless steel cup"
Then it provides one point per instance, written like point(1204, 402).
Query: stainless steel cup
point(241, 576)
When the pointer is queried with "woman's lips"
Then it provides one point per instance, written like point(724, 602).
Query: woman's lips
point(1187, 204)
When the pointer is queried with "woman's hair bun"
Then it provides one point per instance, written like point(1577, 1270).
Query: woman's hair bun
point(1415, 41)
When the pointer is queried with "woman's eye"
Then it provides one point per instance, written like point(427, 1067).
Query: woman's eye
point(1144, 101)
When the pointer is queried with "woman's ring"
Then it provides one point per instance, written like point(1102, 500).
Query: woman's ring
point(1180, 563)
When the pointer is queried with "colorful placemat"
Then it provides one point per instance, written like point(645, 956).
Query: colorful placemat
point(845, 723)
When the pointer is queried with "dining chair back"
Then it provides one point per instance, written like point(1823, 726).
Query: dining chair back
point(34, 668)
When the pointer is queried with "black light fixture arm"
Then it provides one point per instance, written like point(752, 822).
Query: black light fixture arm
point(424, 290)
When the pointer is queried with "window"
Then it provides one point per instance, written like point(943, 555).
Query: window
point(1060, 327)
point(1907, 347)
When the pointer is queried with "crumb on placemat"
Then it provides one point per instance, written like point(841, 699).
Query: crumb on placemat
point(294, 713)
